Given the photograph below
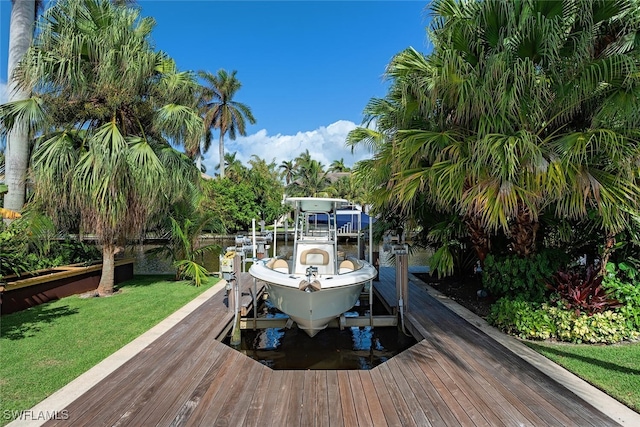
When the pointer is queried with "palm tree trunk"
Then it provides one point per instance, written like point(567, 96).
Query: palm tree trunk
point(523, 233)
point(23, 14)
point(107, 280)
point(221, 152)
point(479, 237)
point(609, 243)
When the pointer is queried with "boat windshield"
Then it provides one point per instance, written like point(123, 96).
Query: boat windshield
point(319, 225)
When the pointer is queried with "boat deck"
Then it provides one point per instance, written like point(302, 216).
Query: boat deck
point(456, 376)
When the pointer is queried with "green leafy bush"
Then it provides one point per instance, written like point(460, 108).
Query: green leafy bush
point(22, 249)
point(544, 321)
point(524, 278)
point(607, 327)
point(13, 248)
point(622, 282)
point(521, 318)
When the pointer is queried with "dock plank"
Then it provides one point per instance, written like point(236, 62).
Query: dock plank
point(346, 398)
point(209, 406)
point(455, 400)
point(239, 397)
point(359, 399)
point(455, 376)
point(310, 399)
point(373, 404)
point(293, 415)
point(391, 416)
point(257, 403)
point(276, 411)
point(396, 394)
point(321, 393)
point(335, 400)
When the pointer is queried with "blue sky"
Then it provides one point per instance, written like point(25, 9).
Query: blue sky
point(308, 68)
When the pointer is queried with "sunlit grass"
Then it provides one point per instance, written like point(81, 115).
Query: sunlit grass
point(615, 369)
point(45, 347)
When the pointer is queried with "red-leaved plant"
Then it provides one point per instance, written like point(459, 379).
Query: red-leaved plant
point(583, 291)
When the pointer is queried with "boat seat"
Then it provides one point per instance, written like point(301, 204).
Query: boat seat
point(314, 256)
point(280, 265)
point(346, 266)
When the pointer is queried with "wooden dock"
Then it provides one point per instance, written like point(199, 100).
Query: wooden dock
point(455, 376)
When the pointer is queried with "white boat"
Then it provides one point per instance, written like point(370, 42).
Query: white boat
point(315, 285)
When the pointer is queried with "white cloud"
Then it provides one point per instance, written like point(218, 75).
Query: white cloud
point(325, 145)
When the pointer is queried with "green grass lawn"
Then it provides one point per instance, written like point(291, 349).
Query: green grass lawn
point(615, 369)
point(45, 347)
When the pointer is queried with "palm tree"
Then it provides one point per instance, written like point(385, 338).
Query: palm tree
point(185, 223)
point(221, 111)
point(235, 169)
point(288, 169)
point(338, 166)
point(523, 108)
point(23, 16)
point(106, 105)
point(311, 179)
point(303, 159)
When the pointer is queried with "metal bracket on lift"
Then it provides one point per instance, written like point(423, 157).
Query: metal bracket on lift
point(343, 322)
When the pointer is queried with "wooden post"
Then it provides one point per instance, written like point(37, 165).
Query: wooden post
point(404, 273)
point(402, 277)
point(235, 333)
point(255, 303)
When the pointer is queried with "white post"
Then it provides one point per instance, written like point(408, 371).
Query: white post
point(254, 245)
point(370, 241)
point(371, 262)
point(275, 238)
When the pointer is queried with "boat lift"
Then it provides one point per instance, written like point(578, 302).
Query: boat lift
point(231, 271)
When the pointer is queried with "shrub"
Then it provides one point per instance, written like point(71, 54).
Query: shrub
point(529, 320)
point(524, 278)
point(582, 291)
point(521, 318)
point(606, 327)
point(622, 282)
point(13, 248)
point(23, 250)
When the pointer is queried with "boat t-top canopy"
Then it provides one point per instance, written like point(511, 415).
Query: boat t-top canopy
point(315, 204)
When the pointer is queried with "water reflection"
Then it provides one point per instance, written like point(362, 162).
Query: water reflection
point(360, 348)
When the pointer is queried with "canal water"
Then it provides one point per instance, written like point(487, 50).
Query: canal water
point(149, 264)
point(354, 348)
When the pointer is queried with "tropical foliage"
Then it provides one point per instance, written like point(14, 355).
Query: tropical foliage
point(184, 225)
point(30, 243)
point(518, 134)
point(105, 105)
point(220, 111)
point(545, 321)
point(245, 194)
point(523, 116)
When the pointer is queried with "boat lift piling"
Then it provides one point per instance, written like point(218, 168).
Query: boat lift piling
point(235, 292)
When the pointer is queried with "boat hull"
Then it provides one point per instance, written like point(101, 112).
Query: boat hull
point(313, 309)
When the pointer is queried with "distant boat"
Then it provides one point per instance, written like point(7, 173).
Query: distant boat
point(315, 286)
